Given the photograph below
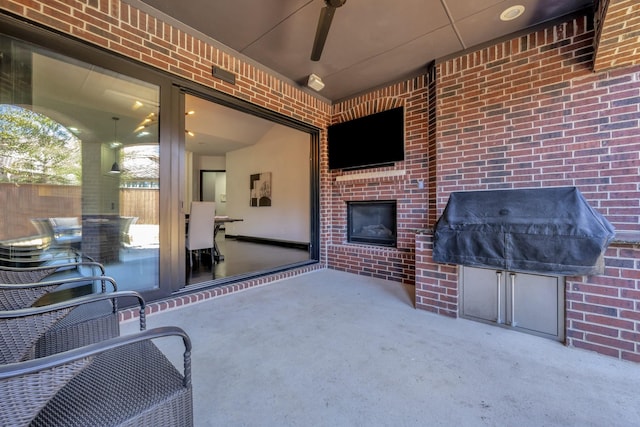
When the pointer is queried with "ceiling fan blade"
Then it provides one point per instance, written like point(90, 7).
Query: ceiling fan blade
point(324, 23)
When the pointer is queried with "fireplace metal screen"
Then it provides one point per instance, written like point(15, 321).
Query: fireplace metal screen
point(372, 222)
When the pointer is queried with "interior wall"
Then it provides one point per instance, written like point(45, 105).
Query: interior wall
point(285, 153)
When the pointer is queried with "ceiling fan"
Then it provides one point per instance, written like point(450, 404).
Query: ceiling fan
point(324, 22)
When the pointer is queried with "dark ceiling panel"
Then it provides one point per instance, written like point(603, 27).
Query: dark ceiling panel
point(235, 23)
point(392, 66)
point(460, 9)
point(370, 42)
point(486, 25)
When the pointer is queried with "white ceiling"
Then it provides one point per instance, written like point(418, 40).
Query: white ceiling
point(218, 129)
point(88, 99)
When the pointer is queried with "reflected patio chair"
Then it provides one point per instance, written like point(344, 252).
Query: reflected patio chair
point(125, 224)
point(27, 251)
point(57, 249)
point(126, 380)
point(67, 231)
point(56, 274)
point(200, 233)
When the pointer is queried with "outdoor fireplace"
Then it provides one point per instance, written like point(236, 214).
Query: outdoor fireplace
point(372, 222)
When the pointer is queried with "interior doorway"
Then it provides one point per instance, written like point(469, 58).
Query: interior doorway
point(213, 188)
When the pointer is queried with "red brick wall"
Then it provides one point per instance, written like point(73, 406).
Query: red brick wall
point(617, 38)
point(530, 112)
point(523, 113)
point(400, 182)
point(436, 284)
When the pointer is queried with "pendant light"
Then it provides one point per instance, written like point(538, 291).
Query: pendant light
point(115, 168)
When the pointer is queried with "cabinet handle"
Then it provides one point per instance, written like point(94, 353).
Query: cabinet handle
point(498, 282)
point(513, 299)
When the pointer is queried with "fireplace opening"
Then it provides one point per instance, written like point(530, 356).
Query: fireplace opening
point(372, 222)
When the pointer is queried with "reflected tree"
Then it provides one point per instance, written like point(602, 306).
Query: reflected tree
point(36, 149)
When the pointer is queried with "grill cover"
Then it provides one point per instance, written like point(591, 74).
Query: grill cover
point(547, 230)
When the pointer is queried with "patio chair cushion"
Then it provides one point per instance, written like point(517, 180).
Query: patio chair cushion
point(24, 396)
point(130, 385)
point(85, 324)
point(19, 335)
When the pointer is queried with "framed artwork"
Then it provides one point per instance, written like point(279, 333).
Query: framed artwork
point(260, 189)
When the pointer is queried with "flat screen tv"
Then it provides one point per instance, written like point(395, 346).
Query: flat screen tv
point(369, 141)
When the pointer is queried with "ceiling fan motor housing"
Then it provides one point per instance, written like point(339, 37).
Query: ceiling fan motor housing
point(335, 3)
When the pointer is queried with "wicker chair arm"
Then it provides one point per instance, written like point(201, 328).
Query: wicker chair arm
point(33, 366)
point(58, 266)
point(45, 283)
point(31, 311)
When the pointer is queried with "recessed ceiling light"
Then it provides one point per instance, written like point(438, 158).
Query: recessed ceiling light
point(512, 12)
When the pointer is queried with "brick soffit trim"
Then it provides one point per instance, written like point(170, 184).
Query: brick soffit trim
point(617, 41)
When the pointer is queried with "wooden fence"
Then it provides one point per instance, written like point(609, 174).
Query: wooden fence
point(20, 203)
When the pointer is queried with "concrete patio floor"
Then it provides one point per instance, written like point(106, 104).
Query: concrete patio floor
point(329, 348)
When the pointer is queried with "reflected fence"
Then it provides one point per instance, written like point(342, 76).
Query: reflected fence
point(24, 203)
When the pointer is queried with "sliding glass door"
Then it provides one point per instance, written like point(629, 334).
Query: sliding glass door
point(79, 164)
point(100, 157)
point(258, 174)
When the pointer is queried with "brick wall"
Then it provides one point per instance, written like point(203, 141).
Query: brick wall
point(530, 112)
point(523, 113)
point(400, 182)
point(617, 40)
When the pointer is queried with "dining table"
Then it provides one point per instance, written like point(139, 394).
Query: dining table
point(217, 225)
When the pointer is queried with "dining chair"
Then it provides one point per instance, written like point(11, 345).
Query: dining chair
point(200, 234)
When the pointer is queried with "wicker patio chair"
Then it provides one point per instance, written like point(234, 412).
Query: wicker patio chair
point(124, 381)
point(34, 332)
point(32, 277)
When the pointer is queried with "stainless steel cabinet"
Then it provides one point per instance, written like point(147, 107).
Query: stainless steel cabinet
point(527, 302)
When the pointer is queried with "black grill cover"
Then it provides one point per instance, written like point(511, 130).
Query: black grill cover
point(547, 230)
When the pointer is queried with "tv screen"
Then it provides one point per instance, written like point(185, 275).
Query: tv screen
point(374, 140)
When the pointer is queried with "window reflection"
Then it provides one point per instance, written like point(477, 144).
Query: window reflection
point(64, 126)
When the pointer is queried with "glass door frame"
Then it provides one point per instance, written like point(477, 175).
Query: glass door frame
point(76, 50)
point(171, 141)
point(193, 89)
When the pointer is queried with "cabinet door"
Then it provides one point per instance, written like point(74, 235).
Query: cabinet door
point(535, 303)
point(482, 294)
